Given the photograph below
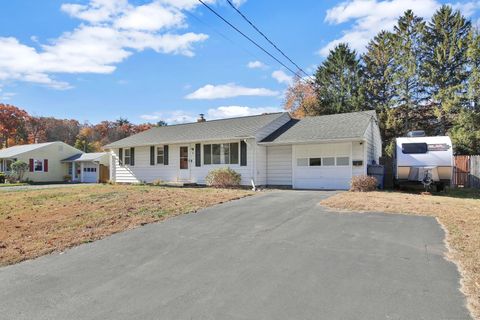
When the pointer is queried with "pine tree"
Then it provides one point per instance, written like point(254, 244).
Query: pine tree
point(465, 132)
point(338, 82)
point(444, 68)
point(408, 92)
point(379, 87)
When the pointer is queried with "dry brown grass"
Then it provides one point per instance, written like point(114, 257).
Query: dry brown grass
point(37, 222)
point(459, 216)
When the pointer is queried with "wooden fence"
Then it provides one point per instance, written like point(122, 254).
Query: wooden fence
point(466, 172)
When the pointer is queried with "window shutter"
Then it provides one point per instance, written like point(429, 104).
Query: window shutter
point(243, 153)
point(198, 155)
point(132, 156)
point(120, 156)
point(30, 164)
point(152, 155)
point(165, 155)
point(45, 165)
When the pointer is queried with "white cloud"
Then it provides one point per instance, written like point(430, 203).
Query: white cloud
point(228, 90)
point(256, 65)
point(238, 111)
point(371, 16)
point(151, 17)
point(282, 77)
point(238, 3)
point(111, 31)
point(222, 112)
point(4, 96)
point(467, 8)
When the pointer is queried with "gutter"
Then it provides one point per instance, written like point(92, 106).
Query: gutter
point(273, 143)
point(110, 146)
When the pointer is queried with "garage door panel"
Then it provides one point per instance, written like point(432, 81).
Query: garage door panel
point(321, 176)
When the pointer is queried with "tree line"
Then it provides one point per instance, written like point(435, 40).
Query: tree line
point(424, 75)
point(19, 127)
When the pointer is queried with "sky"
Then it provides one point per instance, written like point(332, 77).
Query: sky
point(151, 60)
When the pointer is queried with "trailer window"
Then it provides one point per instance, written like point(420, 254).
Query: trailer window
point(414, 148)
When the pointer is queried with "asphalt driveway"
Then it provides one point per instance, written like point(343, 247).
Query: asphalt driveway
point(278, 255)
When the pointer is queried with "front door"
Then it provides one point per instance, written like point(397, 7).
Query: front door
point(184, 164)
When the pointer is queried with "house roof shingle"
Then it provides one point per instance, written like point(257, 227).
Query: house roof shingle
point(224, 129)
point(328, 127)
point(85, 157)
point(16, 150)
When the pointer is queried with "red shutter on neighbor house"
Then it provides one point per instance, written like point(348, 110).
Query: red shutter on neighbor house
point(45, 165)
point(30, 164)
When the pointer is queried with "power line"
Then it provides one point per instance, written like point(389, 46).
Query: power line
point(247, 37)
point(266, 38)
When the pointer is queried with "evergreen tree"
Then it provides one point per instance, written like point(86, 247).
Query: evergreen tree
point(466, 128)
point(338, 82)
point(444, 68)
point(379, 87)
point(408, 92)
point(473, 55)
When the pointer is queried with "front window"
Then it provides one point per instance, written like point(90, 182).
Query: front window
point(38, 165)
point(414, 148)
point(221, 153)
point(127, 157)
point(160, 155)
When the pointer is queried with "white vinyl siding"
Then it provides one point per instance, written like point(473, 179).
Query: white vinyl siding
point(374, 143)
point(144, 172)
point(279, 165)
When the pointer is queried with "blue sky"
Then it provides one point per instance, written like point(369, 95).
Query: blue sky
point(145, 60)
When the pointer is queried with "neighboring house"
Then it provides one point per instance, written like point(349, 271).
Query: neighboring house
point(44, 160)
point(271, 149)
point(52, 161)
point(88, 167)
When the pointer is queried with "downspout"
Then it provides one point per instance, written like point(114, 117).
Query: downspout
point(254, 164)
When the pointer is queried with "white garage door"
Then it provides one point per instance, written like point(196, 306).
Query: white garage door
point(90, 173)
point(322, 166)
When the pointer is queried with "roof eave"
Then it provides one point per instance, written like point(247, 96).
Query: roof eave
point(310, 141)
point(110, 146)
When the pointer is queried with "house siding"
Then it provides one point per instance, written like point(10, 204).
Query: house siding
point(374, 143)
point(142, 171)
point(279, 165)
point(54, 153)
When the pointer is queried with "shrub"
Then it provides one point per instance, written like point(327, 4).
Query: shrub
point(363, 184)
point(2, 177)
point(11, 178)
point(67, 178)
point(158, 182)
point(19, 168)
point(223, 178)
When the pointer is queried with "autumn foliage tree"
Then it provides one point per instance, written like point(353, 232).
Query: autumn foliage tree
point(301, 99)
point(12, 125)
point(18, 127)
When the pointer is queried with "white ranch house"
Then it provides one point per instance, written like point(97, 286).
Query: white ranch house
point(322, 152)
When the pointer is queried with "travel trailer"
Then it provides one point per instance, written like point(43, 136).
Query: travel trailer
point(423, 160)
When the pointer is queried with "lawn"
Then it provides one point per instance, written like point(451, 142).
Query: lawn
point(37, 222)
point(459, 213)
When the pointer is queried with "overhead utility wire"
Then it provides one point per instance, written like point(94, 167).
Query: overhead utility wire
point(247, 37)
point(266, 38)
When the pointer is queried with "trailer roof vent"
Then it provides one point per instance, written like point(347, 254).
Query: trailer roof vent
point(416, 133)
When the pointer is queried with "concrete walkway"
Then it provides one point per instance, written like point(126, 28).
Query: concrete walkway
point(278, 255)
